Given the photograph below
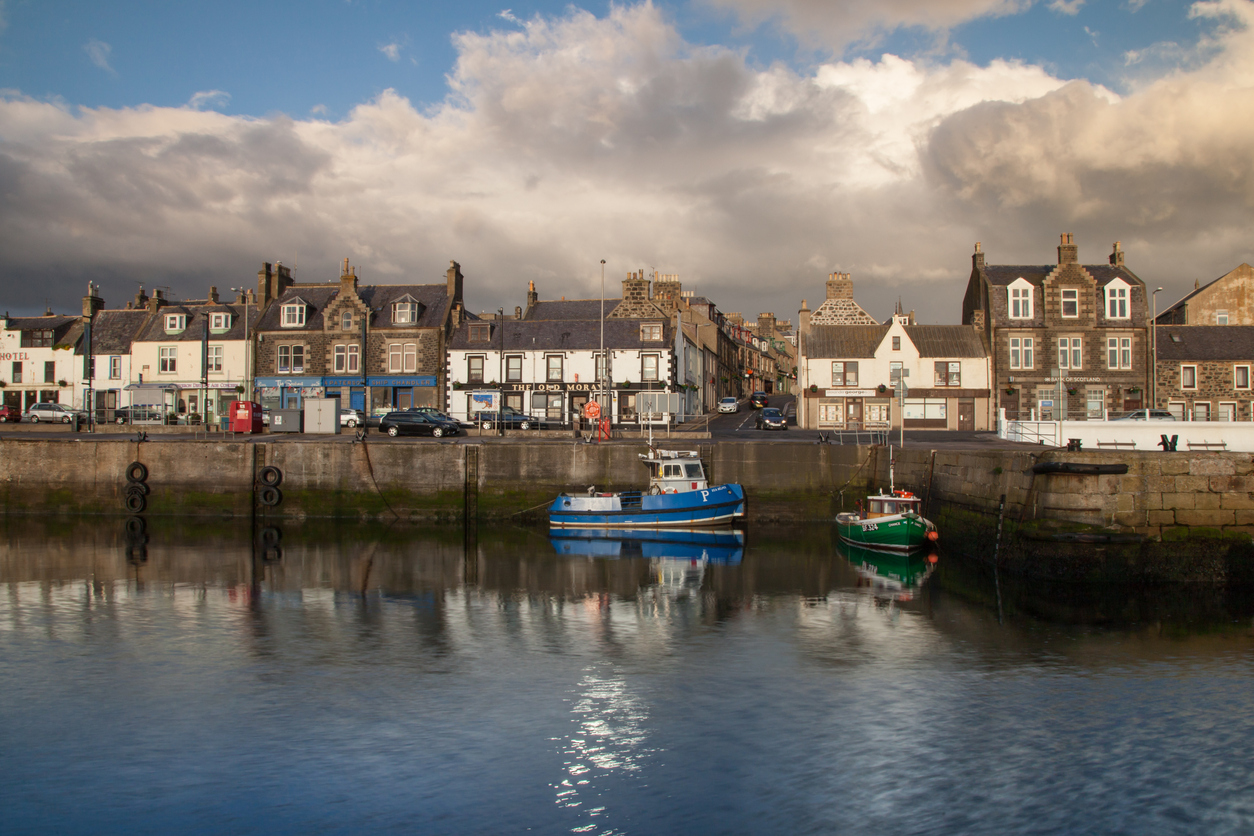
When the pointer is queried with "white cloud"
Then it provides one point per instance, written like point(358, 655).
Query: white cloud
point(318, 110)
point(578, 138)
point(208, 98)
point(98, 52)
point(392, 51)
point(1066, 7)
point(508, 14)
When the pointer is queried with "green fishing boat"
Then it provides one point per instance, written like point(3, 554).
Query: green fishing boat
point(888, 521)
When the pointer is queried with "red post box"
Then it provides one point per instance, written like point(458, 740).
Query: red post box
point(245, 417)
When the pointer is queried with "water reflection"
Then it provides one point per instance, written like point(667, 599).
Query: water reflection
point(350, 678)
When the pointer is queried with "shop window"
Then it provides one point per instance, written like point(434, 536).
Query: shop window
point(513, 368)
point(115, 368)
point(627, 406)
point(877, 413)
point(514, 401)
point(1188, 377)
point(213, 359)
point(548, 405)
point(167, 356)
point(930, 409)
point(830, 412)
point(1070, 355)
point(1241, 377)
point(553, 368)
point(474, 370)
point(1070, 303)
point(648, 366)
point(1095, 403)
point(50, 371)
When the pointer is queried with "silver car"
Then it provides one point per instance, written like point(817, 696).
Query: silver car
point(728, 405)
point(1146, 415)
point(53, 413)
point(352, 418)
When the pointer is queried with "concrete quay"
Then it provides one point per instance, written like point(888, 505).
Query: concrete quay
point(1172, 516)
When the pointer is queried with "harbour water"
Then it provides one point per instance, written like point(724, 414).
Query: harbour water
point(205, 678)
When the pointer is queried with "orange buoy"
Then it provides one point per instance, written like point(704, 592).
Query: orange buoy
point(932, 535)
point(932, 558)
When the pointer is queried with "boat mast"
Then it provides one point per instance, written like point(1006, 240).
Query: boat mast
point(890, 469)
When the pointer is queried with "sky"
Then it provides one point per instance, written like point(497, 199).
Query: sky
point(750, 146)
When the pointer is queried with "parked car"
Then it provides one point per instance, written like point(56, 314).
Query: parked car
point(53, 413)
point(758, 400)
point(135, 414)
point(771, 419)
point(431, 410)
point(1146, 415)
point(407, 422)
point(729, 405)
point(510, 418)
point(8, 413)
point(352, 418)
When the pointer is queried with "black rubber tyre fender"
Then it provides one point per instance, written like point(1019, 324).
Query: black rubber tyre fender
point(270, 537)
point(137, 487)
point(270, 496)
point(137, 472)
point(272, 554)
point(136, 526)
point(270, 476)
point(136, 502)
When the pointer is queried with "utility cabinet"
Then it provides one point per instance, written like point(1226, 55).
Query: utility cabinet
point(322, 415)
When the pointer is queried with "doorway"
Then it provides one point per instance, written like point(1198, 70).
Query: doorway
point(966, 414)
point(853, 414)
point(577, 401)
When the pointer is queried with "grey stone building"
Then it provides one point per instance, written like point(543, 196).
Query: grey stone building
point(1068, 340)
point(1203, 371)
point(377, 347)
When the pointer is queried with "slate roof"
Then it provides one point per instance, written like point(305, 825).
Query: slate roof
point(574, 309)
point(1205, 342)
point(316, 297)
point(562, 334)
point(1001, 275)
point(153, 329)
point(379, 297)
point(112, 332)
point(946, 340)
point(40, 323)
point(839, 341)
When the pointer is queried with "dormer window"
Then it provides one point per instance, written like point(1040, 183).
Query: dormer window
point(651, 332)
point(1117, 300)
point(1221, 317)
point(405, 313)
point(293, 315)
point(1020, 300)
point(346, 321)
point(175, 323)
point(219, 322)
point(1070, 303)
point(480, 332)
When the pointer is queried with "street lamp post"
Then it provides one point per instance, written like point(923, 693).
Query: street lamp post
point(605, 360)
point(248, 344)
point(500, 375)
point(1154, 353)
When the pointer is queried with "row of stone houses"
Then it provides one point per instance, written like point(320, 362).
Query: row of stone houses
point(384, 347)
point(1065, 340)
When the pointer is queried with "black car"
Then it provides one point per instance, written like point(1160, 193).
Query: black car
point(444, 416)
point(416, 423)
point(771, 419)
point(758, 400)
point(511, 418)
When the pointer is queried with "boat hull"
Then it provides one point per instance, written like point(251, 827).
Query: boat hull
point(901, 532)
point(711, 545)
point(720, 505)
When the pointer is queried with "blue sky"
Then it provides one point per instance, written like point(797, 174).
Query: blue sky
point(751, 146)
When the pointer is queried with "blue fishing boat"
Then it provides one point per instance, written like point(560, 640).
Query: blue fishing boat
point(720, 546)
point(678, 496)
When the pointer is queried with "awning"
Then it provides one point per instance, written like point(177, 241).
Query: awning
point(167, 387)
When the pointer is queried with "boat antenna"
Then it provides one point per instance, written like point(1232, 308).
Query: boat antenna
point(890, 469)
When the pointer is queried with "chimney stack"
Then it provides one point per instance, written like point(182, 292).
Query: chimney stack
point(803, 318)
point(92, 303)
point(532, 296)
point(141, 298)
point(455, 280)
point(839, 286)
point(264, 284)
point(1068, 252)
point(1116, 257)
point(518, 312)
point(213, 294)
point(977, 258)
point(348, 278)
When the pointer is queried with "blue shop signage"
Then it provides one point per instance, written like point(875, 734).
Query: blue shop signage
point(343, 381)
point(425, 380)
point(287, 382)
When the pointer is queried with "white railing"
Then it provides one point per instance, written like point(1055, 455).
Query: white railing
point(1236, 436)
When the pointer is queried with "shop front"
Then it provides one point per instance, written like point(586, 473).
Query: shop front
point(350, 390)
point(287, 392)
point(394, 392)
point(854, 409)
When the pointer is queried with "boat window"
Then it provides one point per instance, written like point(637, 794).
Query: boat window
point(673, 471)
point(877, 507)
point(890, 508)
point(693, 471)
